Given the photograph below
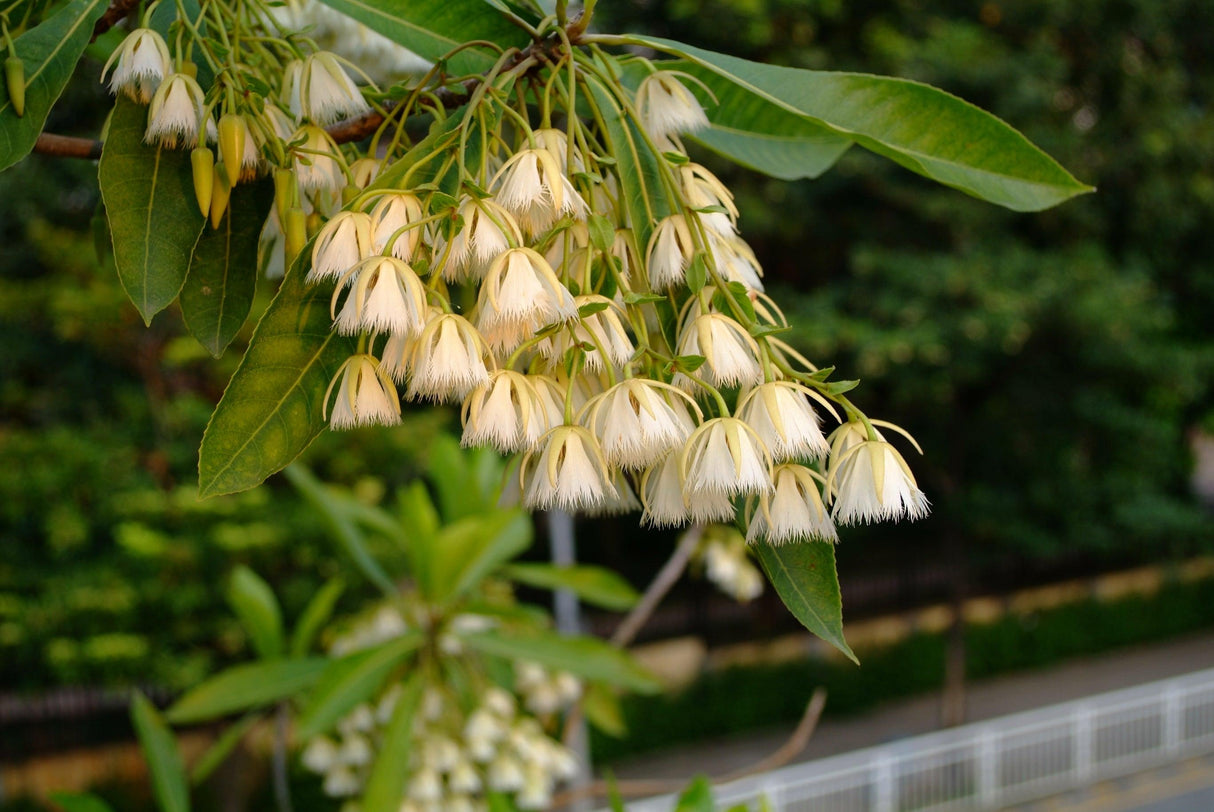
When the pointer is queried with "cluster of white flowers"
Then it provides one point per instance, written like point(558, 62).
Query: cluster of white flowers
point(727, 564)
point(461, 746)
point(625, 349)
point(561, 352)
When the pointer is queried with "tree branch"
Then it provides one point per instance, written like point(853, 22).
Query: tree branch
point(662, 583)
point(777, 758)
point(118, 9)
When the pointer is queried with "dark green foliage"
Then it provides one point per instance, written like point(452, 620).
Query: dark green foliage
point(742, 699)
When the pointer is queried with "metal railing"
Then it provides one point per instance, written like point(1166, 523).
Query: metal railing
point(992, 764)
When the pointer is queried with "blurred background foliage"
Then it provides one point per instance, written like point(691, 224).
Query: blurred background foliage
point(1052, 365)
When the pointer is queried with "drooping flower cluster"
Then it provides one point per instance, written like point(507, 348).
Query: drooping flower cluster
point(723, 553)
point(631, 363)
point(550, 260)
point(463, 745)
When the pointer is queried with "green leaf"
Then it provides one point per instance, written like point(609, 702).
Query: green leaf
point(638, 167)
point(594, 585)
point(803, 575)
point(585, 656)
point(459, 494)
point(918, 126)
point(419, 518)
point(241, 687)
point(432, 28)
point(468, 550)
point(602, 232)
point(218, 752)
point(80, 802)
point(272, 410)
point(632, 297)
point(49, 53)
point(164, 760)
point(697, 797)
point(386, 784)
point(351, 680)
point(218, 292)
point(254, 603)
point(315, 615)
point(602, 709)
point(154, 218)
point(347, 533)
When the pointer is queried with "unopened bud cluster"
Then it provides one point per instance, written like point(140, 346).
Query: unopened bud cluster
point(462, 746)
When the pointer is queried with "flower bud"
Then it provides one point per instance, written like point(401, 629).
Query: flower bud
point(296, 231)
point(204, 177)
point(221, 191)
point(286, 191)
point(190, 69)
point(14, 76)
point(232, 132)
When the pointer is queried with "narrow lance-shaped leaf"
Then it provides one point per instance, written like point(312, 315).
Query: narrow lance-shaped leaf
point(749, 130)
point(594, 585)
point(315, 615)
point(254, 603)
point(49, 53)
point(386, 783)
point(241, 687)
point(218, 291)
point(924, 129)
point(433, 28)
point(218, 753)
point(351, 680)
point(585, 656)
point(73, 802)
point(804, 576)
point(164, 759)
point(149, 200)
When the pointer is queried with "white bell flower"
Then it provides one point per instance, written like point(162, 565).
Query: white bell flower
point(143, 62)
point(794, 510)
point(532, 186)
point(498, 413)
point(662, 494)
point(635, 422)
point(175, 114)
point(392, 212)
point(724, 456)
point(781, 414)
point(566, 472)
point(317, 161)
point(731, 355)
point(365, 395)
point(667, 107)
point(385, 296)
point(342, 243)
point(449, 359)
point(869, 481)
point(487, 231)
point(323, 92)
point(670, 251)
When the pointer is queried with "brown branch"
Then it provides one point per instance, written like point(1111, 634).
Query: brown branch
point(662, 583)
point(656, 786)
point(118, 9)
point(66, 146)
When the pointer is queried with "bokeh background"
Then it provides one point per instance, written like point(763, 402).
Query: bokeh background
point(1056, 368)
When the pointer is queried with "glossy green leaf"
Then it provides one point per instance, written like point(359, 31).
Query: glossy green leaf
point(639, 168)
point(433, 28)
point(254, 603)
point(149, 201)
point(49, 52)
point(80, 802)
point(160, 751)
point(343, 528)
point(241, 687)
point(466, 551)
point(587, 657)
point(351, 680)
point(450, 469)
point(315, 615)
point(222, 279)
point(920, 127)
point(804, 576)
point(218, 753)
point(386, 784)
point(272, 410)
point(594, 585)
point(420, 521)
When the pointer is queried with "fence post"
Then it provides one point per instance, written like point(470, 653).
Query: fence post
point(988, 768)
point(1173, 721)
point(1083, 743)
point(885, 790)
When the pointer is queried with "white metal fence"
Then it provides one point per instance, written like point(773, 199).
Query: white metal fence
point(992, 764)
